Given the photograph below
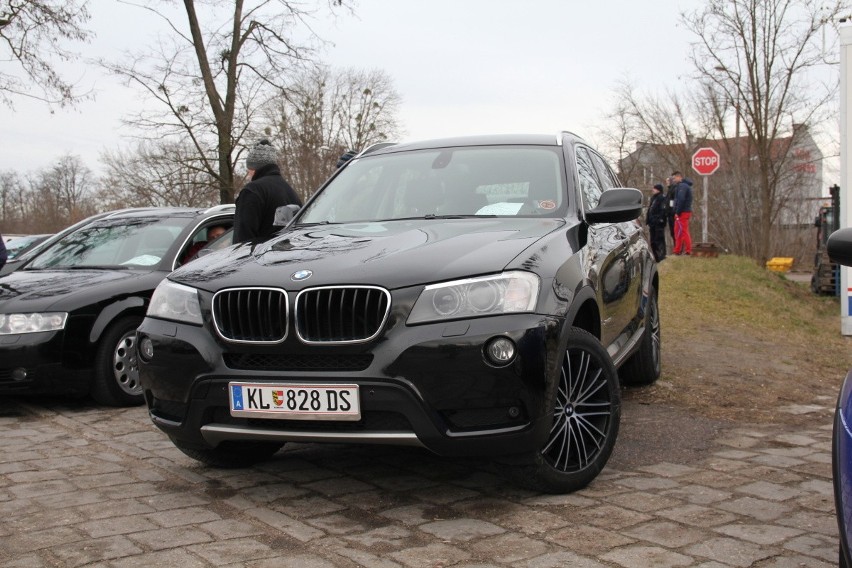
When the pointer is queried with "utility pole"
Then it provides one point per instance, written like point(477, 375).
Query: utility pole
point(845, 211)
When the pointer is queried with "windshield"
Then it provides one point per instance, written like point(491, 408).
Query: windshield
point(114, 242)
point(445, 182)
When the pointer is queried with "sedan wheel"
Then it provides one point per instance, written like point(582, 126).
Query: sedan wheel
point(116, 380)
point(586, 416)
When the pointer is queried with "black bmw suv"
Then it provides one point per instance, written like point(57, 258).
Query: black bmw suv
point(474, 296)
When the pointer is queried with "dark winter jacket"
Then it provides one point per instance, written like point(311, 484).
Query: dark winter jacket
point(257, 202)
point(3, 252)
point(683, 197)
point(657, 213)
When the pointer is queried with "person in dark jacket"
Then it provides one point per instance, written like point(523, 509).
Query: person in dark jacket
point(266, 192)
point(671, 188)
point(656, 219)
point(682, 213)
point(4, 254)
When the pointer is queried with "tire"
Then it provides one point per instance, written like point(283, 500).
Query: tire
point(116, 373)
point(587, 413)
point(645, 366)
point(231, 455)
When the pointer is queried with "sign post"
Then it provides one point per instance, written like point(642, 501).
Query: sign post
point(705, 161)
point(845, 164)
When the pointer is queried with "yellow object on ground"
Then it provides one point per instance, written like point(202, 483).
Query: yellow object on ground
point(780, 264)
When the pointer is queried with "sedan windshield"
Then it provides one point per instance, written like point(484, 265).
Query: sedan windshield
point(445, 182)
point(113, 243)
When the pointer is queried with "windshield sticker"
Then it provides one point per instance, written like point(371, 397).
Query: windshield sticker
point(547, 204)
point(502, 208)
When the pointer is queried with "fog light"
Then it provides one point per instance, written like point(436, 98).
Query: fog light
point(146, 346)
point(500, 351)
point(19, 374)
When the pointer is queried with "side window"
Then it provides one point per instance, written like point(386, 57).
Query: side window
point(607, 178)
point(589, 185)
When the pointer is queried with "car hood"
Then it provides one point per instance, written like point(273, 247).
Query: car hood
point(393, 254)
point(67, 290)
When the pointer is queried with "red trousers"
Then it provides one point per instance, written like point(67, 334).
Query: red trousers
point(683, 240)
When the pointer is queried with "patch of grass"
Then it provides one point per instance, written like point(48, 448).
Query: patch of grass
point(743, 343)
point(735, 291)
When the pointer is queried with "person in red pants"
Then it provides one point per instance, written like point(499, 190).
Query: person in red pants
point(682, 213)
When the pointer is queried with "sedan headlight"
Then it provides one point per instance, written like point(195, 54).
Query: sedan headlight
point(175, 302)
point(13, 324)
point(510, 292)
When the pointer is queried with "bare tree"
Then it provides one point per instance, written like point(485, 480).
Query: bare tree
point(325, 112)
point(60, 195)
point(33, 36)
point(156, 174)
point(758, 59)
point(213, 70)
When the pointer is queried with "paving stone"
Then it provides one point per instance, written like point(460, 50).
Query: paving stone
point(336, 524)
point(759, 509)
point(236, 550)
point(362, 558)
point(643, 556)
point(668, 534)
point(699, 494)
point(288, 525)
point(587, 540)
point(308, 506)
point(769, 491)
point(643, 501)
point(815, 546)
point(530, 521)
point(461, 529)
point(810, 521)
point(611, 517)
point(666, 469)
point(728, 551)
point(225, 529)
point(174, 537)
point(88, 552)
point(561, 560)
point(510, 548)
point(170, 558)
point(388, 537)
point(117, 525)
point(334, 487)
point(759, 534)
point(430, 555)
point(697, 515)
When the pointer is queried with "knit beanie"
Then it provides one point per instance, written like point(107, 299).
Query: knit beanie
point(263, 154)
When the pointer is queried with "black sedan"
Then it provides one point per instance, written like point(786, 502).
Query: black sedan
point(472, 296)
point(68, 317)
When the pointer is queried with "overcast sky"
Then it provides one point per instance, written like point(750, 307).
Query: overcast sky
point(460, 66)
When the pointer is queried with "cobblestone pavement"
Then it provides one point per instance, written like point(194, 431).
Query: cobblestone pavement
point(85, 486)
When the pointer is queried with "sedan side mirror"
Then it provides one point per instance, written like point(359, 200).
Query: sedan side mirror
point(839, 246)
point(284, 214)
point(616, 205)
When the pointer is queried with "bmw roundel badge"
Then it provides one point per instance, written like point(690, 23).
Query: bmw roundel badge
point(300, 275)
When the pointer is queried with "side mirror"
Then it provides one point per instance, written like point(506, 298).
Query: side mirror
point(839, 246)
point(616, 205)
point(284, 214)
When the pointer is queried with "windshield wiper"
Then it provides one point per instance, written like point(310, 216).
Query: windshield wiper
point(90, 267)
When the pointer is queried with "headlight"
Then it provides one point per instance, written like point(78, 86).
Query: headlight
point(175, 302)
point(510, 292)
point(13, 324)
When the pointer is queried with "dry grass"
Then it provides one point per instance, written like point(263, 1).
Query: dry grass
point(744, 343)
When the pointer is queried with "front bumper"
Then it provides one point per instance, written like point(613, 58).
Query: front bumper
point(36, 363)
point(428, 385)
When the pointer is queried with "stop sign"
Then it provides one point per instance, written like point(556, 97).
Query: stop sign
point(705, 161)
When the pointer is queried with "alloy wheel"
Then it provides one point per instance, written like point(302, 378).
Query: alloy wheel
point(581, 415)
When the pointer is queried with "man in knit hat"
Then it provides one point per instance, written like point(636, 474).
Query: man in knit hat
point(266, 192)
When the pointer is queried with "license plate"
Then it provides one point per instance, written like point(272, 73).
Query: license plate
point(295, 401)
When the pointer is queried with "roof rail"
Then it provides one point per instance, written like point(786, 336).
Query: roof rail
point(222, 207)
point(373, 147)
